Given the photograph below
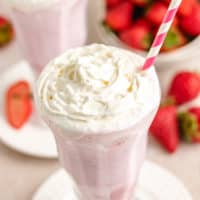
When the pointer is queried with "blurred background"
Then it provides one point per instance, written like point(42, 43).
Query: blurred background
point(27, 150)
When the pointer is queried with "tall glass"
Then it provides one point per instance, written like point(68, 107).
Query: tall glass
point(45, 33)
point(104, 166)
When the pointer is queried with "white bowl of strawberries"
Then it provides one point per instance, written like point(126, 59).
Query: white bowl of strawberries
point(132, 24)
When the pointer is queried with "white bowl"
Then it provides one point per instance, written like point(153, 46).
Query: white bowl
point(167, 64)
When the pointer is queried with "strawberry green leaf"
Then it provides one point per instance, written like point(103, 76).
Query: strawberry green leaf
point(188, 126)
point(172, 40)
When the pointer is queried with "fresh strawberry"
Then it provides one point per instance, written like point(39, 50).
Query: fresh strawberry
point(190, 24)
point(156, 13)
point(185, 87)
point(185, 7)
point(167, 1)
point(18, 104)
point(141, 3)
point(111, 3)
point(189, 125)
point(138, 36)
point(165, 128)
point(142, 22)
point(174, 39)
point(6, 31)
point(119, 17)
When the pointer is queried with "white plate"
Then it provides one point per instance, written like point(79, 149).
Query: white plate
point(155, 183)
point(34, 138)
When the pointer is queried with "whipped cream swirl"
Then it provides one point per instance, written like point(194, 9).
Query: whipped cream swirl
point(97, 88)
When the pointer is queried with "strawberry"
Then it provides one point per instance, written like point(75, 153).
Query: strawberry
point(111, 3)
point(119, 17)
point(165, 128)
point(190, 24)
point(174, 39)
point(167, 1)
point(138, 36)
point(141, 3)
point(185, 7)
point(189, 125)
point(185, 87)
point(18, 104)
point(142, 22)
point(156, 13)
point(6, 31)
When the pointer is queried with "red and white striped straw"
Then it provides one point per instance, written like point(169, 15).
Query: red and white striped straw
point(162, 33)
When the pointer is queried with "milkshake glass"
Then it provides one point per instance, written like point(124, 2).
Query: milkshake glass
point(46, 28)
point(99, 106)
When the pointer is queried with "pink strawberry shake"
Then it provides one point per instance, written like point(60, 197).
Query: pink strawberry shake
point(46, 28)
point(99, 106)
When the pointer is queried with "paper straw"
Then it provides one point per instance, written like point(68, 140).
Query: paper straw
point(162, 33)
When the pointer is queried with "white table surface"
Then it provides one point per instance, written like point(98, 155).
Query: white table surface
point(21, 175)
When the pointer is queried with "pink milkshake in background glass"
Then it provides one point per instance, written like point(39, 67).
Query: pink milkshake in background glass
point(99, 106)
point(46, 28)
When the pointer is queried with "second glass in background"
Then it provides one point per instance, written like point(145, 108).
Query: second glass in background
point(44, 33)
